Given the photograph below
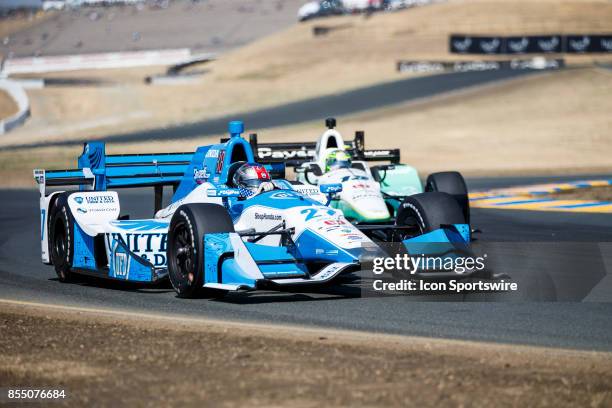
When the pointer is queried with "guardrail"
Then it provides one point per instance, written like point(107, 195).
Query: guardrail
point(23, 104)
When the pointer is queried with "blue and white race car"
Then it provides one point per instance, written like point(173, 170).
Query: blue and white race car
point(217, 234)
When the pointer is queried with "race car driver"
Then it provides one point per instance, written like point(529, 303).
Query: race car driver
point(337, 159)
point(252, 179)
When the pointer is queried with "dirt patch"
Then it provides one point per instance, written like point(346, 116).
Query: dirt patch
point(109, 359)
point(594, 193)
point(8, 107)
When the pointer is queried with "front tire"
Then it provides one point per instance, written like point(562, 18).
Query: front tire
point(426, 212)
point(186, 245)
point(453, 183)
point(61, 239)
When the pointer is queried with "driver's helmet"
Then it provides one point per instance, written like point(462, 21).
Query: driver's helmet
point(337, 159)
point(249, 177)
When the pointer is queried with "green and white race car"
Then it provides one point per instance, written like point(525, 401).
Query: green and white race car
point(369, 194)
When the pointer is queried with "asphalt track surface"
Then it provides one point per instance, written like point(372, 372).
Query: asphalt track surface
point(520, 319)
point(358, 100)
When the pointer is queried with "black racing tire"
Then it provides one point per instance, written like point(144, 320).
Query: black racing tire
point(426, 212)
point(453, 183)
point(61, 238)
point(185, 250)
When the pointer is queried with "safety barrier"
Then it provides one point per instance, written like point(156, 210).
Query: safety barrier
point(530, 44)
point(536, 63)
point(23, 105)
point(95, 61)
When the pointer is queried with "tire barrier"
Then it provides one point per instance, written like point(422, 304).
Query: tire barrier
point(537, 63)
point(531, 44)
point(23, 105)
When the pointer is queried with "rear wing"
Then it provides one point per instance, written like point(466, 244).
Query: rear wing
point(295, 154)
point(99, 171)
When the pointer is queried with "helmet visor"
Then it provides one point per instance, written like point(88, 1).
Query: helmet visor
point(340, 164)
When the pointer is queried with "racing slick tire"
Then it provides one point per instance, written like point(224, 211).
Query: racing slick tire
point(61, 238)
point(185, 250)
point(453, 183)
point(426, 212)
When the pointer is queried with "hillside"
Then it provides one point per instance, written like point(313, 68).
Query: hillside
point(293, 65)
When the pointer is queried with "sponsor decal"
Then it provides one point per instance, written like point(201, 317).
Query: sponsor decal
point(201, 176)
point(368, 194)
point(268, 217)
point(361, 185)
point(606, 44)
point(225, 192)
point(330, 188)
point(140, 225)
point(536, 63)
point(549, 45)
point(42, 224)
point(82, 210)
point(283, 195)
point(490, 47)
point(121, 264)
point(308, 191)
point(329, 271)
point(96, 199)
point(518, 46)
point(420, 66)
point(268, 153)
point(39, 175)
point(476, 66)
point(352, 237)
point(377, 153)
point(580, 45)
point(212, 153)
point(150, 246)
point(462, 45)
point(337, 222)
point(220, 160)
point(78, 199)
point(320, 251)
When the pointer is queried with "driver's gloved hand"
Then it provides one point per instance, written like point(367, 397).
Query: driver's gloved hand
point(265, 186)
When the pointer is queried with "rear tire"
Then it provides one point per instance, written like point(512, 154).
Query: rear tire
point(186, 245)
point(426, 212)
point(453, 183)
point(61, 238)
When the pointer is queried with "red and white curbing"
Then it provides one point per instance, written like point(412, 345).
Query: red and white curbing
point(95, 61)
